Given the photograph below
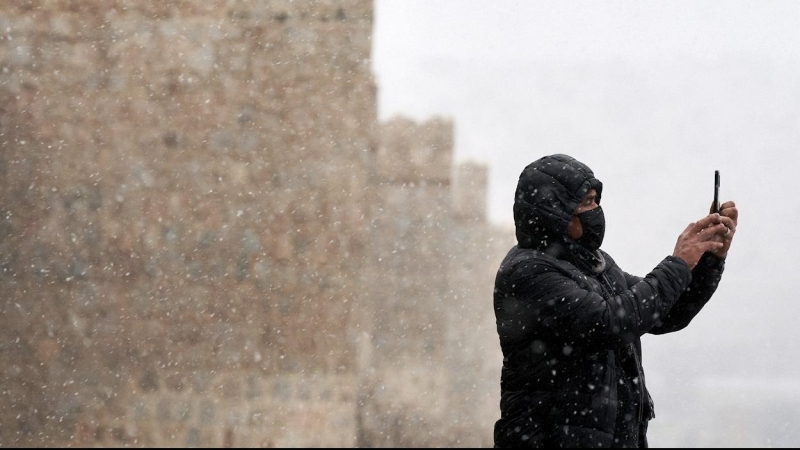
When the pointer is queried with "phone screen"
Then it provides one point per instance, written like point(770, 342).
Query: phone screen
point(716, 191)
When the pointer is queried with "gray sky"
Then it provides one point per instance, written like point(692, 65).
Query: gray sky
point(654, 96)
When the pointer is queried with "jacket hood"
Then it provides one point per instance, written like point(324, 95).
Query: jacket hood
point(548, 192)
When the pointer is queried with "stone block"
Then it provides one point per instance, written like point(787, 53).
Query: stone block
point(255, 388)
point(231, 388)
point(192, 438)
point(140, 411)
point(208, 412)
point(21, 54)
point(176, 381)
point(282, 390)
point(165, 411)
point(149, 381)
point(184, 410)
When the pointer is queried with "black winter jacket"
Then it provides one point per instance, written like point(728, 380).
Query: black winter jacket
point(570, 322)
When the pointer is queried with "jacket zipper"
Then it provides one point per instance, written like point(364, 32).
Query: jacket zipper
point(640, 384)
point(607, 286)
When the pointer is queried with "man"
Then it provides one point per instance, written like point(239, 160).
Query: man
point(570, 320)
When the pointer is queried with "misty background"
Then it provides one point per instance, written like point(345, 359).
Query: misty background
point(653, 96)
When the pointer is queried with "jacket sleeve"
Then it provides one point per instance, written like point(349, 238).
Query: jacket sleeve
point(705, 279)
point(543, 301)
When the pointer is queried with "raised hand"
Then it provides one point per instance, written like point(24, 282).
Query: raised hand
point(729, 215)
point(700, 237)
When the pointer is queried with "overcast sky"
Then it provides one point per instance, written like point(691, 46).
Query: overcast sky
point(654, 96)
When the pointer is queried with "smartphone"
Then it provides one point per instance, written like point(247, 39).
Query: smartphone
point(716, 191)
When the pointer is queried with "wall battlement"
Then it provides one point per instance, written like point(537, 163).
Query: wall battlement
point(410, 152)
point(470, 191)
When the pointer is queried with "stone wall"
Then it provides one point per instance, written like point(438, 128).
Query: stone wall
point(432, 378)
point(410, 221)
point(478, 249)
point(207, 240)
point(183, 219)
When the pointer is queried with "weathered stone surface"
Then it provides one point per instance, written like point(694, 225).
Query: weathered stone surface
point(207, 239)
point(435, 257)
point(138, 141)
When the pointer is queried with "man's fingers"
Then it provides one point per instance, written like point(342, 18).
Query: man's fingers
point(705, 222)
point(730, 210)
point(728, 222)
point(709, 232)
point(729, 204)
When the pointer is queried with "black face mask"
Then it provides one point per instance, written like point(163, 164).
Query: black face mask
point(594, 228)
